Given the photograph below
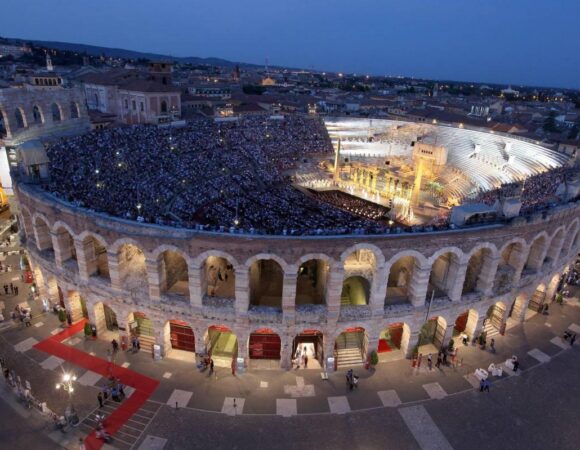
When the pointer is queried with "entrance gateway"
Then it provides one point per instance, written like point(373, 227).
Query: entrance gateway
point(181, 336)
point(264, 344)
point(222, 345)
point(309, 341)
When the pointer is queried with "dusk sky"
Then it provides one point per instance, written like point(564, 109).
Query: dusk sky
point(534, 42)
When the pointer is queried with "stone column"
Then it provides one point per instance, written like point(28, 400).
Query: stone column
point(379, 291)
point(412, 342)
point(486, 278)
point(195, 293)
point(334, 289)
point(448, 335)
point(86, 258)
point(289, 297)
point(455, 279)
point(328, 344)
point(479, 325)
point(154, 279)
point(406, 340)
point(242, 292)
point(286, 353)
point(419, 285)
point(199, 336)
point(63, 245)
point(114, 270)
point(97, 317)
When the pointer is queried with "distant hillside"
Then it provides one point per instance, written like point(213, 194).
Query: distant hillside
point(130, 54)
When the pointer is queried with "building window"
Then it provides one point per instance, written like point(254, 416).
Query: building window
point(126, 104)
point(134, 104)
point(164, 106)
point(142, 106)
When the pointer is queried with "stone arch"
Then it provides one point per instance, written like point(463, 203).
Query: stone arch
point(395, 336)
point(19, 118)
point(65, 250)
point(74, 110)
point(265, 256)
point(466, 323)
point(142, 326)
point(56, 112)
point(27, 223)
point(356, 291)
point(312, 279)
point(376, 251)
point(173, 267)
point(37, 115)
point(96, 259)
point(131, 265)
point(554, 251)
point(519, 306)
point(217, 274)
point(222, 345)
point(512, 255)
point(479, 264)
point(265, 343)
point(495, 318)
point(266, 281)
point(106, 319)
point(537, 252)
point(178, 335)
point(350, 347)
point(42, 233)
point(444, 275)
point(432, 335)
point(573, 231)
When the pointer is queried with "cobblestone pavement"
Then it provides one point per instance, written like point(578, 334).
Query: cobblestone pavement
point(396, 406)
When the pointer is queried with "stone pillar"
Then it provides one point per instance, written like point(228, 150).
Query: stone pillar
point(328, 344)
point(455, 279)
point(406, 340)
point(154, 279)
point(195, 293)
point(471, 324)
point(334, 289)
point(413, 341)
point(379, 291)
point(114, 272)
point(551, 289)
point(86, 258)
point(242, 292)
point(97, 317)
point(286, 353)
point(479, 325)
point(289, 297)
point(63, 245)
point(486, 278)
point(199, 336)
point(448, 335)
point(419, 285)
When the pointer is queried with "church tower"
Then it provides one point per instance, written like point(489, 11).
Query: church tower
point(49, 66)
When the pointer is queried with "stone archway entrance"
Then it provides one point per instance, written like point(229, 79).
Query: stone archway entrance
point(222, 345)
point(181, 336)
point(309, 342)
point(432, 335)
point(350, 348)
point(142, 326)
point(264, 345)
point(494, 321)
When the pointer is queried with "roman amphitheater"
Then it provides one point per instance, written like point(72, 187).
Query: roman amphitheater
point(250, 298)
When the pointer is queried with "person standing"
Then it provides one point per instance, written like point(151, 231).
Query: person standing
point(211, 366)
point(430, 361)
point(115, 345)
point(100, 399)
point(572, 340)
point(11, 288)
point(439, 360)
point(306, 361)
point(15, 290)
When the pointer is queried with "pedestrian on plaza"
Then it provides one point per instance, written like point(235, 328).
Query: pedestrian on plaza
point(572, 340)
point(439, 360)
point(115, 345)
point(211, 365)
point(430, 361)
point(100, 399)
point(6, 289)
point(105, 391)
point(15, 290)
point(68, 318)
point(115, 394)
point(121, 391)
point(305, 361)
point(27, 322)
point(137, 343)
point(492, 345)
point(486, 385)
point(11, 288)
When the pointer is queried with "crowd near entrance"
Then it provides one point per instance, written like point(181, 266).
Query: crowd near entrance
point(222, 345)
point(350, 347)
point(181, 336)
point(309, 343)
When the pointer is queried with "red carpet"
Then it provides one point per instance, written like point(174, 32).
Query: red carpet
point(144, 386)
point(384, 346)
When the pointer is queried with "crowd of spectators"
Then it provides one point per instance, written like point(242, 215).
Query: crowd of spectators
point(355, 205)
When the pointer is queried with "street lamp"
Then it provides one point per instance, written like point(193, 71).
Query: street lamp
point(67, 385)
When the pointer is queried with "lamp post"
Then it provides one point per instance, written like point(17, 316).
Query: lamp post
point(67, 385)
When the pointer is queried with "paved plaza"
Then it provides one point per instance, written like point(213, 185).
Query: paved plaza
point(172, 404)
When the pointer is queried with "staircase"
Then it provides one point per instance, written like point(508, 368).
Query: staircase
point(537, 300)
point(348, 350)
point(489, 329)
point(222, 350)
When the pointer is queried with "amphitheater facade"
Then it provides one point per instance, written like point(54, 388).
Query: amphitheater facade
point(290, 290)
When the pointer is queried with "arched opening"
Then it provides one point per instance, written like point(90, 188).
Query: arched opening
point(77, 306)
point(265, 344)
point(311, 282)
point(141, 327)
point(218, 279)
point(74, 110)
point(350, 348)
point(443, 274)
point(222, 345)
point(537, 300)
point(106, 322)
point(3, 125)
point(393, 342)
point(132, 268)
point(97, 260)
point(56, 114)
point(399, 282)
point(66, 249)
point(495, 318)
point(555, 248)
point(511, 256)
point(266, 283)
point(174, 275)
point(43, 237)
point(432, 335)
point(163, 107)
point(361, 261)
point(473, 281)
point(465, 324)
point(181, 336)
point(19, 118)
point(356, 291)
point(536, 255)
point(308, 344)
point(518, 309)
point(37, 115)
